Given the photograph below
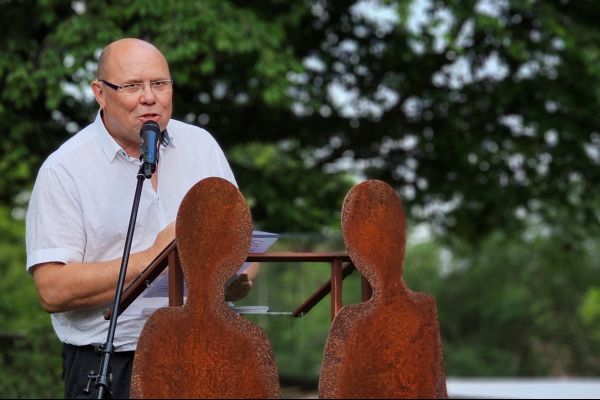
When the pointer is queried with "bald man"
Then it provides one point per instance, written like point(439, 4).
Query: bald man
point(81, 202)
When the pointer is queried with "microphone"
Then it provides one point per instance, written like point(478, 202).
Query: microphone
point(150, 134)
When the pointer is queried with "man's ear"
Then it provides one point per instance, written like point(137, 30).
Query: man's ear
point(98, 91)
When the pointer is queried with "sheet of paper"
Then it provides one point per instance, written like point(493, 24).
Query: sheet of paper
point(261, 241)
point(157, 294)
point(160, 287)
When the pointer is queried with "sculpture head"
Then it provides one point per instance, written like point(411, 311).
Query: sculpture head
point(374, 230)
point(213, 232)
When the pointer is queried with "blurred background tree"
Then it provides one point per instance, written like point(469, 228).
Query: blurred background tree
point(483, 114)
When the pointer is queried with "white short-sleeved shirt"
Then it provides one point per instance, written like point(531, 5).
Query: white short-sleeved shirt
point(81, 203)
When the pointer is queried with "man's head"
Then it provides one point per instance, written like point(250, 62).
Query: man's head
point(129, 61)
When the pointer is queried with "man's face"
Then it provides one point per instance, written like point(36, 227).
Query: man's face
point(124, 113)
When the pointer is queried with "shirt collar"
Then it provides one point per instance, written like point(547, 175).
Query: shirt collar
point(169, 138)
point(109, 145)
point(111, 148)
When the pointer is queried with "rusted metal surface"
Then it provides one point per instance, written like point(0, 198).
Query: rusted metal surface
point(203, 349)
point(389, 346)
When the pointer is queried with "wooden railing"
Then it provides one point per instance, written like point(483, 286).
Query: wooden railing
point(341, 267)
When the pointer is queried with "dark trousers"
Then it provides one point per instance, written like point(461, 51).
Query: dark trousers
point(79, 360)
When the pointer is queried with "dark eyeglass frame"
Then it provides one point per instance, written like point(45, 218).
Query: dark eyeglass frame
point(136, 85)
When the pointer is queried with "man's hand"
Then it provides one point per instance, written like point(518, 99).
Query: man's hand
point(163, 239)
point(237, 287)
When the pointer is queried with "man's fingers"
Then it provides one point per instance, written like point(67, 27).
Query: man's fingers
point(238, 288)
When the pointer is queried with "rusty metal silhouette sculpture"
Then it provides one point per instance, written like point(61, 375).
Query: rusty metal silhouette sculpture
point(389, 346)
point(204, 349)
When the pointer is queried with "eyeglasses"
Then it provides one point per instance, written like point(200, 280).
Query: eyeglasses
point(137, 87)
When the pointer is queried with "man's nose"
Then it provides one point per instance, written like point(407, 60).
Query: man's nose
point(147, 94)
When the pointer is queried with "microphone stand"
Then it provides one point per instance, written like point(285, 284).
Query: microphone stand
point(102, 380)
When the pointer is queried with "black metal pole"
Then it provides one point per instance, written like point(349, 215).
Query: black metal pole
point(102, 381)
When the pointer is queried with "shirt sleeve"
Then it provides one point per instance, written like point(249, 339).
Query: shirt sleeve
point(54, 225)
point(225, 169)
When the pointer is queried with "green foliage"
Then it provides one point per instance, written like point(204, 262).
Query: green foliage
point(283, 192)
point(18, 307)
point(589, 312)
point(31, 366)
point(30, 352)
point(510, 307)
point(437, 135)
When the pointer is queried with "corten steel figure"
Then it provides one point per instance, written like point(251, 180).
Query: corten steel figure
point(203, 349)
point(389, 346)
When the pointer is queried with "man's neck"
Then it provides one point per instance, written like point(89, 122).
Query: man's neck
point(132, 149)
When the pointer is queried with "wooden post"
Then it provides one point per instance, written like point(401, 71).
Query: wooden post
point(336, 287)
point(175, 280)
